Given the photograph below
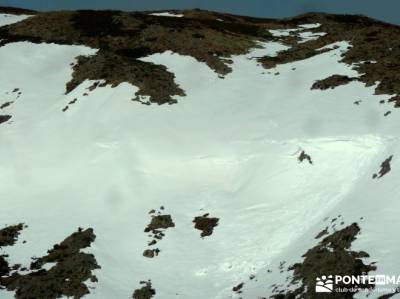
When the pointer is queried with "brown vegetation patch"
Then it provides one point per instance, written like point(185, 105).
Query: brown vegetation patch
point(374, 51)
point(205, 224)
point(290, 56)
point(9, 234)
point(332, 82)
point(157, 226)
point(332, 256)
point(8, 237)
point(122, 37)
point(145, 292)
point(65, 278)
point(159, 222)
point(153, 80)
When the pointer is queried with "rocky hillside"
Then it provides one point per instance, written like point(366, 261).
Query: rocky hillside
point(123, 37)
point(274, 165)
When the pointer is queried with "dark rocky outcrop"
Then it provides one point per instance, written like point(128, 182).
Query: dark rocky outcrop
point(385, 168)
point(156, 229)
point(123, 37)
point(374, 51)
point(4, 118)
point(303, 156)
point(145, 292)
point(8, 237)
point(332, 82)
point(331, 256)
point(67, 277)
point(159, 222)
point(205, 224)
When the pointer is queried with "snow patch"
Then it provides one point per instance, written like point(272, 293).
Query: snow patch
point(310, 26)
point(7, 19)
point(167, 14)
point(309, 36)
point(282, 32)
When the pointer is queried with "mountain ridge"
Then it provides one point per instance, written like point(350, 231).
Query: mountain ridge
point(209, 37)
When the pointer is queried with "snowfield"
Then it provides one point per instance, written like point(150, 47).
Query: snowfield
point(6, 19)
point(167, 14)
point(228, 148)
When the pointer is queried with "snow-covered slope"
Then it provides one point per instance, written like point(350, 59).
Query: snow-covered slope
point(167, 14)
point(6, 19)
point(229, 148)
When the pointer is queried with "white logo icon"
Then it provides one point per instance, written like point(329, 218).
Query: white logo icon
point(324, 284)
